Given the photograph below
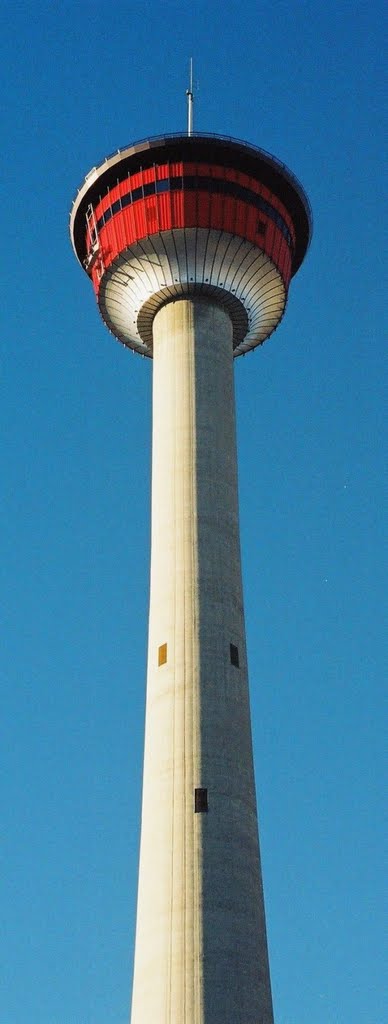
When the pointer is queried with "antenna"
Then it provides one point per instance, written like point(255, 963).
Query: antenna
point(190, 100)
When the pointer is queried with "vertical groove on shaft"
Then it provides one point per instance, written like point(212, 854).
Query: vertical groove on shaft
point(201, 954)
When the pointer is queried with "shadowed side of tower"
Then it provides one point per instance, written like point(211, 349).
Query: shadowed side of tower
point(190, 242)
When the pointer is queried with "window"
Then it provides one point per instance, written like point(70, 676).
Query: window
point(162, 654)
point(162, 185)
point(200, 801)
point(261, 227)
point(234, 655)
point(137, 193)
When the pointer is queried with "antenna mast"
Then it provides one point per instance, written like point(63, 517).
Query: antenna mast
point(190, 101)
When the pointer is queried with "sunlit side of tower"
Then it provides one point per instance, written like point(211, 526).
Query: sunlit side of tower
point(190, 242)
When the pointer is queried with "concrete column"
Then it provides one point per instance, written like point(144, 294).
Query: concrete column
point(201, 952)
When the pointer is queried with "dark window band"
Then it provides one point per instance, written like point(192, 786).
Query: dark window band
point(197, 183)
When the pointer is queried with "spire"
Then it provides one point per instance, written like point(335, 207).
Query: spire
point(190, 100)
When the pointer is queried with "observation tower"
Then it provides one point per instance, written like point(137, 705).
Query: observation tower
point(190, 242)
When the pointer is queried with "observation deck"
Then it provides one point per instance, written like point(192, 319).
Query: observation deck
point(183, 215)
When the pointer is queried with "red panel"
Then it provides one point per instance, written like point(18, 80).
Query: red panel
point(128, 225)
point(113, 194)
point(269, 238)
point(266, 193)
point(276, 245)
point(176, 170)
point(216, 211)
point(148, 175)
point(151, 215)
point(241, 216)
point(251, 223)
point(161, 171)
point(216, 172)
point(99, 209)
point(203, 170)
point(124, 186)
point(230, 174)
point(139, 218)
point(282, 252)
point(122, 230)
point(103, 205)
point(243, 179)
point(112, 249)
point(176, 199)
point(164, 205)
point(113, 235)
point(190, 169)
point(136, 180)
point(254, 186)
point(190, 209)
point(203, 210)
point(230, 214)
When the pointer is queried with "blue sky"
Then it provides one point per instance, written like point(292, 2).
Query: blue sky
point(304, 81)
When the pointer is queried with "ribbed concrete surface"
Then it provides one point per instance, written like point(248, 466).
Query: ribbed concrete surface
point(148, 273)
point(201, 955)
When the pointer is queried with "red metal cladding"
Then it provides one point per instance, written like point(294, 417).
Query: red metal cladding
point(192, 207)
point(176, 170)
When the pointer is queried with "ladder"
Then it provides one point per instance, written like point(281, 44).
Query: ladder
point(92, 242)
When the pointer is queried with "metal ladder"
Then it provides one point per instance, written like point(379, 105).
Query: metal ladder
point(93, 243)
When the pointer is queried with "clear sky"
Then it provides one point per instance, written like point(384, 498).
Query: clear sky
point(304, 81)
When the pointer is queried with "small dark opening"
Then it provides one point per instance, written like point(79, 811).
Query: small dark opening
point(234, 655)
point(200, 801)
point(261, 227)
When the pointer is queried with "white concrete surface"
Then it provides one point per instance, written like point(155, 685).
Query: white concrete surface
point(201, 954)
point(138, 282)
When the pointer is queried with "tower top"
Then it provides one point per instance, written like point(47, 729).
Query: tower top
point(184, 214)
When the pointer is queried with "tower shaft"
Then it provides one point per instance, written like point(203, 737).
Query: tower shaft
point(201, 950)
